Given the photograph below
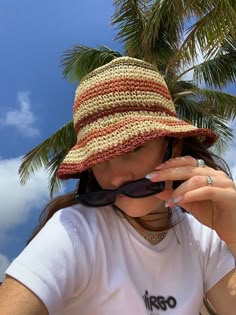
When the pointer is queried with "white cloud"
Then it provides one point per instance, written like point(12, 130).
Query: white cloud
point(4, 263)
point(23, 119)
point(16, 200)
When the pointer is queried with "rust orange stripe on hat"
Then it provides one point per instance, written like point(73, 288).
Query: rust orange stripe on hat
point(122, 85)
point(100, 131)
point(119, 109)
point(119, 106)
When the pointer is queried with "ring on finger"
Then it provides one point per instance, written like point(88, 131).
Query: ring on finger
point(209, 180)
point(201, 163)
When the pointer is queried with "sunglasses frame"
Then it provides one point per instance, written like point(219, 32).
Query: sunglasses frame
point(84, 178)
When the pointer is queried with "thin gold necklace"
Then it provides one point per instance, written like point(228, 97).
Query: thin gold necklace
point(153, 237)
point(147, 232)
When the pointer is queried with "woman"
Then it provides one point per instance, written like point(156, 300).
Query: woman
point(121, 244)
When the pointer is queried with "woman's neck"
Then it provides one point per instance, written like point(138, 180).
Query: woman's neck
point(156, 221)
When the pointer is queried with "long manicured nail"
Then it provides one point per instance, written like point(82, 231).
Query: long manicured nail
point(160, 166)
point(168, 202)
point(173, 201)
point(152, 175)
point(178, 199)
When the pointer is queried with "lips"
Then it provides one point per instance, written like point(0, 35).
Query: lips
point(122, 196)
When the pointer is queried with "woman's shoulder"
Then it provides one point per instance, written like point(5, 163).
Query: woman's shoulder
point(85, 220)
point(81, 213)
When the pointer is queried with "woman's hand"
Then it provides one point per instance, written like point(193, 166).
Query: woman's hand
point(214, 205)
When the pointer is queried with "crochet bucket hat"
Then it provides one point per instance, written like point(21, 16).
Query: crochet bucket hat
point(118, 107)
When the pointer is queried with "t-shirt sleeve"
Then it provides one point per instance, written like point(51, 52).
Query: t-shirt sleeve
point(217, 260)
point(53, 265)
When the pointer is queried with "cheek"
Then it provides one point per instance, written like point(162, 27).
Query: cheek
point(147, 165)
point(100, 176)
point(156, 160)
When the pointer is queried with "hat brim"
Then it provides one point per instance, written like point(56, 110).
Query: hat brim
point(104, 142)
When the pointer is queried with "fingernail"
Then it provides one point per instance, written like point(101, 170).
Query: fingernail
point(152, 175)
point(168, 202)
point(160, 166)
point(178, 199)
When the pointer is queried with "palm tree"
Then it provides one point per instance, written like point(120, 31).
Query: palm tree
point(171, 35)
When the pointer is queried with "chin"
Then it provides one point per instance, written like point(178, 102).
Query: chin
point(135, 207)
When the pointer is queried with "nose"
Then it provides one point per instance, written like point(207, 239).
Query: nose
point(119, 172)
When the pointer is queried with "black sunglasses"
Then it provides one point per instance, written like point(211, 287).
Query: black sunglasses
point(137, 189)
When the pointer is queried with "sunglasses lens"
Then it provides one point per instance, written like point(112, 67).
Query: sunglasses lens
point(99, 198)
point(143, 187)
point(137, 189)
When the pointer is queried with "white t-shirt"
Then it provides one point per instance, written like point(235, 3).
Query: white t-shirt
point(93, 262)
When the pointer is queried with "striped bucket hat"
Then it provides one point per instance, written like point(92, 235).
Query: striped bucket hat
point(120, 106)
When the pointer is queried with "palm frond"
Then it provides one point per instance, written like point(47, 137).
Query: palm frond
point(80, 60)
point(180, 87)
point(48, 155)
point(161, 49)
point(199, 115)
point(55, 184)
point(151, 30)
point(211, 28)
point(129, 18)
point(214, 102)
point(221, 70)
point(166, 17)
point(218, 103)
point(222, 130)
point(165, 31)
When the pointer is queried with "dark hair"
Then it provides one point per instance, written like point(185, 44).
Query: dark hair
point(191, 146)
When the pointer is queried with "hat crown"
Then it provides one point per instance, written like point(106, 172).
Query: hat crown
point(123, 85)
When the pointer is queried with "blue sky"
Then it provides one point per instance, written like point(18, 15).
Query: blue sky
point(35, 100)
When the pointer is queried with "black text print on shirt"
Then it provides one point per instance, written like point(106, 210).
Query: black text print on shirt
point(158, 302)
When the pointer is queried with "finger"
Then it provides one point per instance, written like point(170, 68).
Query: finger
point(182, 173)
point(199, 181)
point(165, 195)
point(216, 194)
point(178, 162)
